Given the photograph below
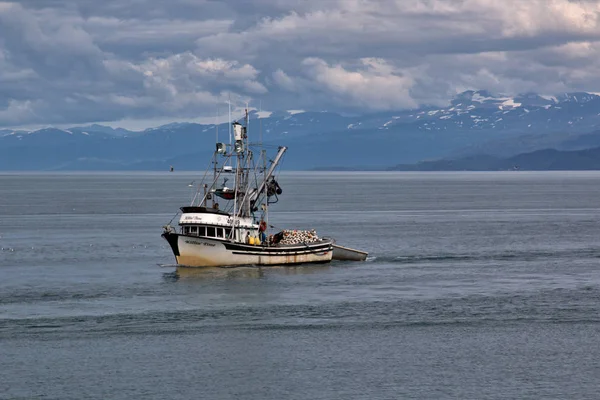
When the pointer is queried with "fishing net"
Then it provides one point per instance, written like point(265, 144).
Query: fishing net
point(295, 237)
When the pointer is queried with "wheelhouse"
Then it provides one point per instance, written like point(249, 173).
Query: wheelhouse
point(207, 231)
point(212, 223)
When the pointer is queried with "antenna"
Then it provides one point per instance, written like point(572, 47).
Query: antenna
point(260, 122)
point(229, 103)
point(217, 125)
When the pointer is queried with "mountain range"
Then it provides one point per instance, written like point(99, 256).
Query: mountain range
point(539, 160)
point(474, 123)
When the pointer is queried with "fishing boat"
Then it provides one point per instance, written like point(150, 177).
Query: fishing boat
point(227, 224)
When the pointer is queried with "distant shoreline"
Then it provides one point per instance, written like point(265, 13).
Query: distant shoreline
point(188, 172)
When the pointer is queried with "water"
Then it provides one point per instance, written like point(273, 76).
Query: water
point(478, 286)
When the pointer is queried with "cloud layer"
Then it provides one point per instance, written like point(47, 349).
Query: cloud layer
point(64, 62)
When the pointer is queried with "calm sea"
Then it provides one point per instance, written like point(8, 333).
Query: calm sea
point(478, 286)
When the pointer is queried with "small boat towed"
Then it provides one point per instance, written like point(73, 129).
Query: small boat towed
point(347, 254)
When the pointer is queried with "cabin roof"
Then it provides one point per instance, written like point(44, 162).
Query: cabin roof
point(205, 210)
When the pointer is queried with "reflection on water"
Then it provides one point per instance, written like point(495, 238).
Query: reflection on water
point(198, 273)
point(202, 273)
point(301, 269)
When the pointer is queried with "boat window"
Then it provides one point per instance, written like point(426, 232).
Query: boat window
point(220, 232)
point(210, 231)
point(201, 231)
point(186, 230)
point(194, 230)
point(227, 232)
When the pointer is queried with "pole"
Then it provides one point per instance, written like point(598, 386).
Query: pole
point(229, 103)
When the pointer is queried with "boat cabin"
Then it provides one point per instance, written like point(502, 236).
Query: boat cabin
point(215, 224)
point(206, 231)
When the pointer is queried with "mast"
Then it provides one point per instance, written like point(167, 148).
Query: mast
point(235, 191)
point(266, 210)
point(241, 170)
point(260, 124)
point(246, 192)
point(216, 159)
point(229, 104)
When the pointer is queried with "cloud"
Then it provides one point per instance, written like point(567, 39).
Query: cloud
point(389, 29)
point(55, 71)
point(186, 71)
point(49, 48)
point(137, 39)
point(72, 62)
point(375, 84)
point(284, 81)
point(16, 112)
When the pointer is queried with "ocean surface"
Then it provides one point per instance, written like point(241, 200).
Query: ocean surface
point(477, 286)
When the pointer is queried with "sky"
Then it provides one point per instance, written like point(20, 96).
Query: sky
point(142, 61)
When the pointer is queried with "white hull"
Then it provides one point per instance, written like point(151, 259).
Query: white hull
point(194, 251)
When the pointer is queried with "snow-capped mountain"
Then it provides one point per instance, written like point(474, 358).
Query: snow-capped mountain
point(482, 111)
point(471, 120)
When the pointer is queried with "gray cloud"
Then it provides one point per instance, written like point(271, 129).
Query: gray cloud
point(75, 62)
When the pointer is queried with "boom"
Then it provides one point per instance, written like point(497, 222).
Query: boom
point(274, 163)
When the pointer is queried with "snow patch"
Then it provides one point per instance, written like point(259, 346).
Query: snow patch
point(509, 103)
point(551, 98)
point(264, 114)
point(480, 99)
